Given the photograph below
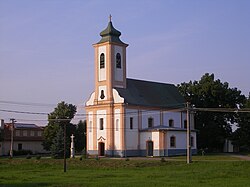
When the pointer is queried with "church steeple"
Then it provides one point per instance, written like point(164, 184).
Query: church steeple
point(110, 34)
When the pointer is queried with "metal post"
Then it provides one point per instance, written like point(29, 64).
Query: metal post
point(189, 154)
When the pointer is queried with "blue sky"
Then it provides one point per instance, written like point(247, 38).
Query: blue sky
point(46, 52)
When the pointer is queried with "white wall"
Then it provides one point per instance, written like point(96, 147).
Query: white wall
point(147, 136)
point(131, 134)
point(181, 139)
point(34, 146)
point(155, 114)
point(102, 72)
point(176, 116)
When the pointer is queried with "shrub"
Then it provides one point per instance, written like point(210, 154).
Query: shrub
point(22, 152)
point(97, 157)
point(38, 157)
point(163, 159)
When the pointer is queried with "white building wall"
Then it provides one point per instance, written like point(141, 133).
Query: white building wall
point(131, 134)
point(34, 146)
point(181, 139)
point(147, 136)
point(155, 114)
point(176, 116)
point(101, 133)
point(102, 72)
point(118, 71)
point(117, 122)
point(90, 130)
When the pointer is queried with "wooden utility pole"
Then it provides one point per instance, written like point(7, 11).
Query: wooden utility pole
point(189, 153)
point(64, 156)
point(12, 136)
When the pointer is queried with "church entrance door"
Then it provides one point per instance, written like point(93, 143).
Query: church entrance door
point(101, 149)
point(150, 148)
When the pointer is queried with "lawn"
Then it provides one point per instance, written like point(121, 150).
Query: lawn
point(118, 172)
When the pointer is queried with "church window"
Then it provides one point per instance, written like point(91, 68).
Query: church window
point(171, 123)
point(117, 125)
point(172, 141)
point(150, 122)
point(185, 124)
point(90, 126)
point(131, 123)
point(102, 94)
point(101, 123)
point(192, 141)
point(102, 61)
point(118, 61)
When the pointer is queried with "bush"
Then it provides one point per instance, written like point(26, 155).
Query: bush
point(127, 159)
point(38, 157)
point(97, 157)
point(163, 159)
point(22, 152)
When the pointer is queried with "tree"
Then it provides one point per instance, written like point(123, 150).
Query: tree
point(57, 147)
point(80, 136)
point(213, 127)
point(241, 137)
point(60, 117)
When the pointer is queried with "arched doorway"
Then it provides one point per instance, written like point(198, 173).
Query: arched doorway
point(101, 149)
point(150, 148)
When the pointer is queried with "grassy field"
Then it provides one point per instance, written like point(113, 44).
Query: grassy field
point(204, 171)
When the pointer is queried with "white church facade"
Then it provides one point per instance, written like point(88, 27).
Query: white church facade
point(129, 117)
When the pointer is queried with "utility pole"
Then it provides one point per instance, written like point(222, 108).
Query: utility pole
point(12, 136)
point(189, 153)
point(64, 158)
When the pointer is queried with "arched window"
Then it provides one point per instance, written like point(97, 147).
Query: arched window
point(171, 123)
point(131, 123)
point(150, 122)
point(102, 61)
point(118, 61)
point(117, 124)
point(90, 126)
point(101, 123)
point(172, 141)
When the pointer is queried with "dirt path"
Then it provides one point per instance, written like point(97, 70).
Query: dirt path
point(243, 157)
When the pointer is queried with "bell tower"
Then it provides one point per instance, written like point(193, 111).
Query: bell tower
point(110, 64)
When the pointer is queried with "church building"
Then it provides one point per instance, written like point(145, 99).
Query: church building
point(129, 117)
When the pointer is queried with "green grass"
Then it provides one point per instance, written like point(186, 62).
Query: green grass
point(118, 172)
